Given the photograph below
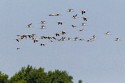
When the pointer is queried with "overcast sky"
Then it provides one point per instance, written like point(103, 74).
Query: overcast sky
point(101, 61)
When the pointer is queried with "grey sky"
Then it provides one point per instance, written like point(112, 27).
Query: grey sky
point(102, 61)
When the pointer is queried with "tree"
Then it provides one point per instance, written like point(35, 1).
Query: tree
point(3, 78)
point(80, 81)
point(37, 75)
point(29, 75)
point(32, 75)
point(58, 76)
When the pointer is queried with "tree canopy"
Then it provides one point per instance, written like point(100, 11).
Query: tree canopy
point(37, 75)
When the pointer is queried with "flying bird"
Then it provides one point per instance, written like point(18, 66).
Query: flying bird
point(54, 14)
point(84, 18)
point(42, 44)
point(60, 22)
point(81, 29)
point(43, 22)
point(83, 11)
point(29, 25)
point(70, 10)
point(74, 16)
point(17, 48)
point(43, 27)
point(73, 26)
point(117, 39)
point(83, 24)
point(107, 33)
point(17, 40)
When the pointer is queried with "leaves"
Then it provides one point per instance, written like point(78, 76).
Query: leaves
point(37, 75)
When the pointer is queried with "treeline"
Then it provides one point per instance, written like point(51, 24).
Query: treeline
point(37, 75)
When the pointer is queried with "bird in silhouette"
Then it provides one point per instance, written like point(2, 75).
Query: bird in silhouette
point(85, 18)
point(54, 14)
point(57, 34)
point(35, 40)
point(17, 40)
point(17, 48)
point(73, 26)
point(81, 29)
point(42, 44)
point(60, 22)
point(63, 32)
point(74, 16)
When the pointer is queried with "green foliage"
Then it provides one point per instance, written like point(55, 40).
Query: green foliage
point(29, 75)
point(80, 81)
point(58, 76)
point(37, 75)
point(3, 78)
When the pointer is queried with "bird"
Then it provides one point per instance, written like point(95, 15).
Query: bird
point(83, 11)
point(75, 38)
point(35, 40)
point(84, 18)
point(60, 22)
point(93, 37)
point(17, 40)
point(42, 44)
point(81, 39)
point(70, 10)
point(17, 48)
point(74, 16)
point(54, 14)
point(29, 25)
point(81, 29)
point(117, 39)
point(107, 33)
point(83, 24)
point(43, 22)
point(69, 38)
point(57, 34)
point(73, 26)
point(63, 32)
point(43, 27)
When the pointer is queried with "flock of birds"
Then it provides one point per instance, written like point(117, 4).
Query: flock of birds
point(61, 35)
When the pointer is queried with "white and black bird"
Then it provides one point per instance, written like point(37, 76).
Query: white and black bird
point(74, 16)
point(84, 18)
point(43, 27)
point(83, 24)
point(29, 25)
point(117, 39)
point(43, 22)
point(108, 33)
point(83, 11)
point(70, 10)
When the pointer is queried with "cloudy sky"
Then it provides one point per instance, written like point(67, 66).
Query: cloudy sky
point(100, 61)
